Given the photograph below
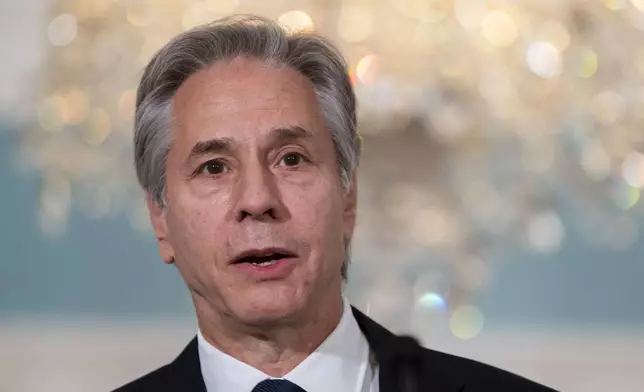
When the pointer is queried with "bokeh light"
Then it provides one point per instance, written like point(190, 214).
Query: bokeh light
point(296, 20)
point(470, 14)
point(545, 232)
point(554, 32)
point(595, 161)
point(466, 322)
point(588, 62)
point(633, 169)
point(74, 106)
point(615, 5)
point(222, 7)
point(140, 12)
point(366, 69)
point(99, 127)
point(499, 28)
point(608, 107)
point(544, 59)
point(432, 302)
point(55, 204)
point(639, 4)
point(126, 105)
point(63, 30)
point(355, 23)
point(433, 284)
point(195, 15)
point(49, 117)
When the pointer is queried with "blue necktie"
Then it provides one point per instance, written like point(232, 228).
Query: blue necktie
point(273, 385)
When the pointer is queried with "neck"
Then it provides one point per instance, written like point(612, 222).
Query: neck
point(275, 349)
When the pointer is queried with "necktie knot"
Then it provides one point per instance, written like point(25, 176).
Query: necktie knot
point(275, 385)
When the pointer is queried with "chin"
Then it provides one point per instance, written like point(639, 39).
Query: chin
point(269, 306)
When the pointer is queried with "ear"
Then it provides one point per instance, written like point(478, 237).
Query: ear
point(350, 208)
point(160, 226)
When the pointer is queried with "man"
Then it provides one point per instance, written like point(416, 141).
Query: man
point(246, 146)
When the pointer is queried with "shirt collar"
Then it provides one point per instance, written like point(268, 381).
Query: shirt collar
point(338, 364)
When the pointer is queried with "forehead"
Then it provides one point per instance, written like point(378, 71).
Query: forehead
point(241, 96)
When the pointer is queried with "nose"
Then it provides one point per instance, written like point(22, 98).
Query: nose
point(258, 196)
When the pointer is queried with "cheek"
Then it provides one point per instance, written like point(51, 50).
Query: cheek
point(319, 219)
point(193, 229)
point(193, 232)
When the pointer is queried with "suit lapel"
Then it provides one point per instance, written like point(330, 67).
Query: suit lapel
point(184, 373)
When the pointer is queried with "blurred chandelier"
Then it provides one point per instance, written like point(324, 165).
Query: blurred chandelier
point(485, 122)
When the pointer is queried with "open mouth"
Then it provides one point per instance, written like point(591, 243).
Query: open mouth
point(263, 257)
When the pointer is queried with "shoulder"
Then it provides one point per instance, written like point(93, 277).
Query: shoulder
point(153, 381)
point(435, 370)
point(476, 376)
point(183, 374)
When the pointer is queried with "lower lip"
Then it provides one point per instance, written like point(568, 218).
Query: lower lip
point(279, 269)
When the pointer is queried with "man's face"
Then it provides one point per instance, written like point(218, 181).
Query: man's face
point(256, 217)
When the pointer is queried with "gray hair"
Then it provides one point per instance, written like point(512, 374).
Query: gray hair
point(241, 36)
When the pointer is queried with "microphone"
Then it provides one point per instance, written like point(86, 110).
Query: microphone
point(401, 363)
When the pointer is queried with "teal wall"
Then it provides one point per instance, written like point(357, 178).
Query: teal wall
point(104, 267)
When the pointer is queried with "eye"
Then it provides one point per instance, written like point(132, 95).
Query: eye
point(292, 159)
point(213, 168)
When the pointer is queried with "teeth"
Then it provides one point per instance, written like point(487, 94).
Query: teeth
point(264, 260)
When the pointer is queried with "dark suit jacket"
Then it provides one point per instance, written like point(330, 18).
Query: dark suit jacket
point(404, 366)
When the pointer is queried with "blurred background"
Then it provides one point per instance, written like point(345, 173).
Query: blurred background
point(500, 215)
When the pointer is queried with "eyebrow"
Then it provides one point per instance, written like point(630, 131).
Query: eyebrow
point(226, 144)
point(212, 146)
point(289, 133)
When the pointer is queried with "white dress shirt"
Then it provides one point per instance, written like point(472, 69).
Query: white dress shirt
point(339, 364)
